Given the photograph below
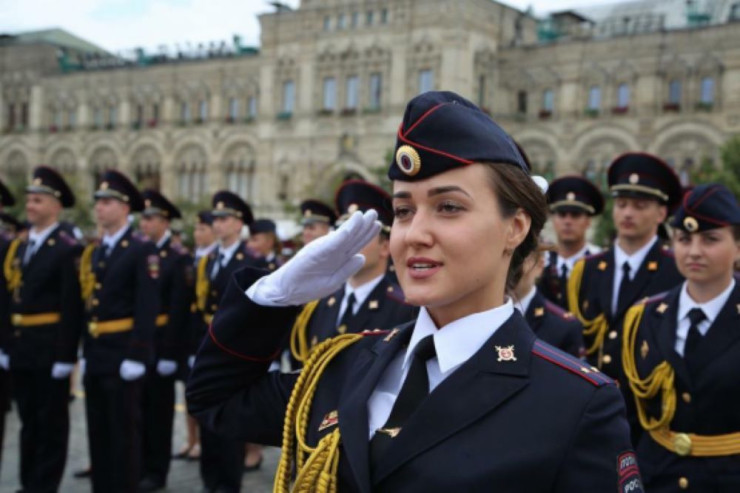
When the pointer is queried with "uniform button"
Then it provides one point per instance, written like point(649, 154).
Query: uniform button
point(606, 359)
point(95, 302)
point(98, 285)
point(94, 319)
point(17, 333)
point(683, 483)
point(686, 397)
point(214, 293)
point(214, 307)
point(613, 334)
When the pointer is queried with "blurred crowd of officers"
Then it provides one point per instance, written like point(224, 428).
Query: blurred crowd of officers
point(133, 306)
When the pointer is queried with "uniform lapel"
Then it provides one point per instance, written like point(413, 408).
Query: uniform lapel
point(536, 312)
point(473, 390)
point(373, 304)
point(665, 334)
point(723, 333)
point(642, 278)
point(353, 418)
point(606, 284)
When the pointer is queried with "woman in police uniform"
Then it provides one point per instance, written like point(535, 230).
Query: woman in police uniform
point(682, 355)
point(461, 399)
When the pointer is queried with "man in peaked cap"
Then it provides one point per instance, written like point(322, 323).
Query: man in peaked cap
point(573, 201)
point(176, 281)
point(602, 287)
point(41, 301)
point(263, 240)
point(222, 457)
point(118, 277)
point(369, 299)
point(317, 220)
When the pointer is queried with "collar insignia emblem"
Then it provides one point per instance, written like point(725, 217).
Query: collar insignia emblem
point(505, 353)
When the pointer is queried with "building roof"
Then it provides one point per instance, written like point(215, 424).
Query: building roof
point(54, 36)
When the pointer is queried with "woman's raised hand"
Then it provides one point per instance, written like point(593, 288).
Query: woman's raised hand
point(321, 267)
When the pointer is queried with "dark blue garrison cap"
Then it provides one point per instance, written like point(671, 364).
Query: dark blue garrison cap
point(574, 194)
point(708, 206)
point(48, 180)
point(442, 131)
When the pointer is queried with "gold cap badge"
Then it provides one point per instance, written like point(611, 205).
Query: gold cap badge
point(634, 178)
point(691, 224)
point(408, 160)
point(570, 196)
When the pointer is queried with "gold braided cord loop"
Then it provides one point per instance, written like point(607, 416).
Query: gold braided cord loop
point(87, 274)
point(298, 335)
point(202, 284)
point(596, 327)
point(660, 379)
point(12, 271)
point(316, 467)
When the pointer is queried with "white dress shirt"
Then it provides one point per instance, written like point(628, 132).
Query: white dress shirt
point(361, 294)
point(711, 310)
point(455, 343)
point(635, 260)
point(523, 304)
point(228, 252)
point(109, 241)
point(571, 261)
point(203, 251)
point(166, 236)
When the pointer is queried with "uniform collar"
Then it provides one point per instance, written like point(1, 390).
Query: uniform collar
point(710, 308)
point(39, 237)
point(571, 261)
point(635, 260)
point(111, 240)
point(228, 252)
point(523, 304)
point(458, 341)
point(166, 236)
point(363, 291)
point(206, 250)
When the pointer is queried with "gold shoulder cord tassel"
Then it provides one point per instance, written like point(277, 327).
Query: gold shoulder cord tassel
point(13, 274)
point(316, 467)
point(596, 327)
point(87, 275)
point(660, 379)
point(298, 335)
point(202, 284)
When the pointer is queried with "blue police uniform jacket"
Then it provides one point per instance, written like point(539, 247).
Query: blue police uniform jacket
point(176, 281)
point(126, 286)
point(543, 422)
point(656, 274)
point(555, 326)
point(707, 396)
point(49, 285)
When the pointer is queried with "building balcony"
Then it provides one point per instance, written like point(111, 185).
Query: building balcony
point(284, 115)
point(704, 106)
point(671, 107)
point(620, 110)
point(349, 111)
point(545, 114)
point(591, 112)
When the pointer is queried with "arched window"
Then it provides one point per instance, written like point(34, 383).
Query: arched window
point(146, 165)
point(102, 159)
point(192, 179)
point(64, 161)
point(239, 166)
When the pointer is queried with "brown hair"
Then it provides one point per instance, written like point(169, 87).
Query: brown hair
point(736, 232)
point(515, 189)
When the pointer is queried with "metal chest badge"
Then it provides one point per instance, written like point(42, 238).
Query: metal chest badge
point(505, 353)
point(152, 262)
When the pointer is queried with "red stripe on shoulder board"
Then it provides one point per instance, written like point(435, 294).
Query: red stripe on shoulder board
point(573, 365)
point(223, 348)
point(374, 332)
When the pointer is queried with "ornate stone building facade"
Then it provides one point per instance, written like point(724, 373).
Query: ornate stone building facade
point(323, 96)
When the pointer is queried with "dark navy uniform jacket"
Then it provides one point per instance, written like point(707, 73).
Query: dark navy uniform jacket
point(127, 285)
point(657, 273)
point(541, 423)
point(176, 290)
point(383, 308)
point(50, 284)
point(555, 326)
point(550, 284)
point(708, 398)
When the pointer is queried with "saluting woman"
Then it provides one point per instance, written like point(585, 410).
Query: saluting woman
point(464, 398)
point(682, 355)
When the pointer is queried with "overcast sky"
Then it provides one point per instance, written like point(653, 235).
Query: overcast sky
point(125, 24)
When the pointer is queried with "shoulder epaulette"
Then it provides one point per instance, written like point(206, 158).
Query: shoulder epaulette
point(67, 239)
point(139, 237)
point(571, 363)
point(394, 292)
point(667, 252)
point(596, 255)
point(558, 311)
point(653, 299)
point(375, 332)
point(179, 249)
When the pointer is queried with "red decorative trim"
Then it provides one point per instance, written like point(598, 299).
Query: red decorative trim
point(434, 151)
point(422, 117)
point(241, 356)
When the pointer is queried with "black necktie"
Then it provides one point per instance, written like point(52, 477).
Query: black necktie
point(217, 266)
point(28, 255)
point(414, 390)
point(694, 338)
point(563, 279)
point(624, 288)
point(349, 312)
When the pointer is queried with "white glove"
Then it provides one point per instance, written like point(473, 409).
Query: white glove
point(319, 268)
point(61, 370)
point(166, 367)
point(191, 360)
point(4, 360)
point(131, 370)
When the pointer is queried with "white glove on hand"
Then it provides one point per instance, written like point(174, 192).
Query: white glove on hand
point(131, 370)
point(166, 367)
point(319, 268)
point(4, 360)
point(191, 360)
point(61, 370)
